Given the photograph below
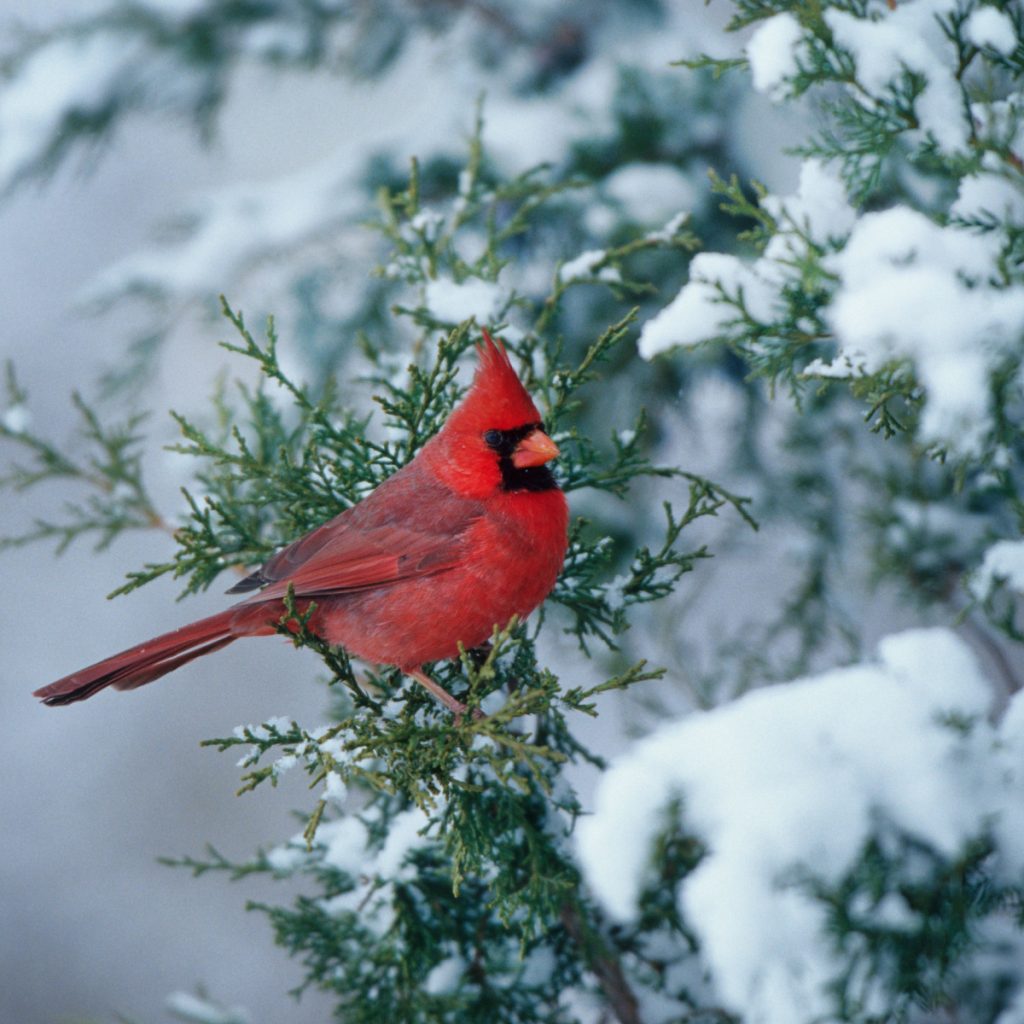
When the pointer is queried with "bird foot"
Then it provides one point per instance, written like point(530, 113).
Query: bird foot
point(477, 715)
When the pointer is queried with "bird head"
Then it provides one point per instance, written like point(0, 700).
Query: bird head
point(494, 440)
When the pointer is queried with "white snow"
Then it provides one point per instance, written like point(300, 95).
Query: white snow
point(908, 288)
point(670, 229)
point(615, 591)
point(919, 529)
point(452, 302)
point(912, 289)
point(288, 858)
point(335, 789)
point(539, 966)
point(428, 223)
point(840, 368)
point(999, 123)
point(374, 872)
point(819, 212)
point(1003, 561)
point(701, 312)
point(774, 53)
point(584, 268)
point(404, 835)
point(249, 217)
point(820, 208)
point(988, 194)
point(787, 784)
point(63, 76)
point(346, 844)
point(17, 419)
point(199, 1010)
point(282, 765)
point(243, 230)
point(445, 977)
point(988, 26)
point(908, 37)
point(179, 11)
point(274, 724)
point(904, 237)
point(651, 193)
point(524, 131)
point(276, 40)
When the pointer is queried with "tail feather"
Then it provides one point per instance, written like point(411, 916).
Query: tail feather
point(138, 679)
point(145, 662)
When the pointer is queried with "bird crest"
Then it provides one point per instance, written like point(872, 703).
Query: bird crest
point(497, 398)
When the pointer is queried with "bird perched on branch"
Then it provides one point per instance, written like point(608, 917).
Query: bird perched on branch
point(471, 532)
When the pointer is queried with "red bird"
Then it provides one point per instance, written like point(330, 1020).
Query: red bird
point(468, 534)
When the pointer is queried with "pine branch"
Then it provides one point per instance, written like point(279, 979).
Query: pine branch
point(108, 470)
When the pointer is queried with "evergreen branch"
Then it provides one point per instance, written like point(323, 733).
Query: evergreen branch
point(599, 607)
point(718, 66)
point(215, 861)
point(578, 698)
point(109, 469)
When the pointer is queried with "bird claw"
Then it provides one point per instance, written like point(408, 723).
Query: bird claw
point(477, 715)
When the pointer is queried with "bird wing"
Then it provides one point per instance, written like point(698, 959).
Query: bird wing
point(289, 559)
point(407, 528)
point(361, 559)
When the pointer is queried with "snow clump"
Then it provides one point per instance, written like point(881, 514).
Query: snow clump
point(912, 289)
point(774, 54)
point(1003, 562)
point(786, 785)
point(988, 26)
point(707, 306)
point(908, 38)
point(450, 302)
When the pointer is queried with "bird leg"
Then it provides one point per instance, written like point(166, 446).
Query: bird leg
point(456, 707)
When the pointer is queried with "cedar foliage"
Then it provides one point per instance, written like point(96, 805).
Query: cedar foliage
point(467, 904)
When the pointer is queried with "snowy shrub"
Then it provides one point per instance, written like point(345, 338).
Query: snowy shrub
point(809, 832)
point(860, 833)
point(894, 266)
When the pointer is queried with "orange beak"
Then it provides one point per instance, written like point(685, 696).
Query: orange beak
point(534, 450)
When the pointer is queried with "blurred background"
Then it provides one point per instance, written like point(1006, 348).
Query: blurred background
point(93, 926)
point(154, 154)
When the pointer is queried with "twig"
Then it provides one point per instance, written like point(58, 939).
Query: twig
point(606, 968)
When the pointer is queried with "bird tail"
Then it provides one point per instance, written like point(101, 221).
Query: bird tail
point(145, 662)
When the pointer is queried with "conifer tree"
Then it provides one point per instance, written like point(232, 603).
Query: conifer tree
point(831, 832)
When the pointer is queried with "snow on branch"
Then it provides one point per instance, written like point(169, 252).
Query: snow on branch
point(791, 791)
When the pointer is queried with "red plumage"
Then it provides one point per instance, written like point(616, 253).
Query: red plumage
point(468, 534)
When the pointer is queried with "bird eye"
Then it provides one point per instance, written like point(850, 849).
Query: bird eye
point(493, 438)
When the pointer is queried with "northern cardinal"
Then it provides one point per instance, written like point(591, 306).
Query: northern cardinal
point(471, 532)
